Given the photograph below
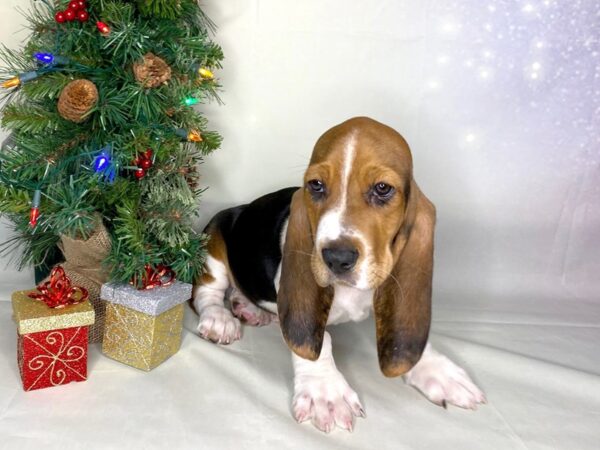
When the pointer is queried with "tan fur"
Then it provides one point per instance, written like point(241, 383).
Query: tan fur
point(399, 238)
point(216, 248)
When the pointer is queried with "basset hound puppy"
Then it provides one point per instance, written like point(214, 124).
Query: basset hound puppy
point(356, 237)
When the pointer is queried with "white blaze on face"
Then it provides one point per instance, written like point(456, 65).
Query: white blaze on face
point(335, 223)
point(331, 225)
point(363, 278)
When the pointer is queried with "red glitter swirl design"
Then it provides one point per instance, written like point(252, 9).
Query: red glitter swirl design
point(56, 358)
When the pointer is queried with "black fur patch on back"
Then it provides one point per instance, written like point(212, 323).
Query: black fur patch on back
point(252, 234)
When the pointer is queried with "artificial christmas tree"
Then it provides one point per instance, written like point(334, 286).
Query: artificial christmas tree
point(99, 106)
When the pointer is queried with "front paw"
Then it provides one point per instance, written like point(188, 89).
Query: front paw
point(442, 382)
point(327, 401)
point(251, 314)
point(218, 325)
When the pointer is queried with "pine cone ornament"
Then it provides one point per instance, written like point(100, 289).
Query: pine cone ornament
point(152, 71)
point(77, 99)
point(191, 175)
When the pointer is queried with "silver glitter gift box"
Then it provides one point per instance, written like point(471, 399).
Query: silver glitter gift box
point(143, 328)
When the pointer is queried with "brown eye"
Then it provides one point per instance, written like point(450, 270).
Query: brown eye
point(380, 193)
point(316, 186)
point(383, 190)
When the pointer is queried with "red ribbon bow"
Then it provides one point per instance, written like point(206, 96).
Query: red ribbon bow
point(155, 277)
point(58, 291)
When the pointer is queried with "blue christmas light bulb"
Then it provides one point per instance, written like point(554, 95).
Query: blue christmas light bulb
point(101, 162)
point(49, 59)
point(44, 58)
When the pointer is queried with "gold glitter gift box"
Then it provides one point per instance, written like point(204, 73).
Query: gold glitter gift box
point(52, 344)
point(143, 328)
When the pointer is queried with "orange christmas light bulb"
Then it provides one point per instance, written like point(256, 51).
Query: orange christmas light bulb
point(13, 82)
point(194, 136)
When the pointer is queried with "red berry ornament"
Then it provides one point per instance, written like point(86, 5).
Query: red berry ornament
point(140, 173)
point(144, 161)
point(145, 164)
point(75, 11)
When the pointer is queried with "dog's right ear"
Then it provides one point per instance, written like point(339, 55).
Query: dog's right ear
point(402, 303)
point(303, 306)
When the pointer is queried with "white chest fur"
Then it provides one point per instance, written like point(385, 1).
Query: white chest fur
point(350, 305)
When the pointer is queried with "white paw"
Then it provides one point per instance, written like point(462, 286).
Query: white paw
point(326, 400)
point(218, 325)
point(442, 382)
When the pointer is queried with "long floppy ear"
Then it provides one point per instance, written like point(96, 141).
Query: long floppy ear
point(403, 303)
point(302, 304)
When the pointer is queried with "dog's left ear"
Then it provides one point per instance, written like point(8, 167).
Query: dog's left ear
point(402, 303)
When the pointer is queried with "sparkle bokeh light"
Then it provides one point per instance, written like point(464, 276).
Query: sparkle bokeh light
point(517, 94)
point(542, 58)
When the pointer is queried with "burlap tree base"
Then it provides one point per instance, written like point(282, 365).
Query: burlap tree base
point(83, 265)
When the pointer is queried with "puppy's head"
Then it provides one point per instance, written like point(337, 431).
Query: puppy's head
point(356, 192)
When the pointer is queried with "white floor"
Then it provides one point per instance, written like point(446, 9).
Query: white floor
point(539, 366)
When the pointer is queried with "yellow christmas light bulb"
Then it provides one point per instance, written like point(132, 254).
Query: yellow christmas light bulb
point(194, 136)
point(205, 73)
point(13, 82)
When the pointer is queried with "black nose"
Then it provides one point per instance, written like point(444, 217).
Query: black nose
point(340, 259)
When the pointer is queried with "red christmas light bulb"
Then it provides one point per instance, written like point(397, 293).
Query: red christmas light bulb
point(140, 173)
point(35, 207)
point(103, 28)
point(33, 216)
point(75, 5)
point(149, 153)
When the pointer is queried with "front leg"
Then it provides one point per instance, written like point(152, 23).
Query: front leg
point(442, 381)
point(322, 394)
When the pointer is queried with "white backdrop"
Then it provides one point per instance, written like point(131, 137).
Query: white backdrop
point(12, 22)
point(498, 100)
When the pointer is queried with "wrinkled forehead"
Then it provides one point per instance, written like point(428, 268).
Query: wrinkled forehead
point(362, 143)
